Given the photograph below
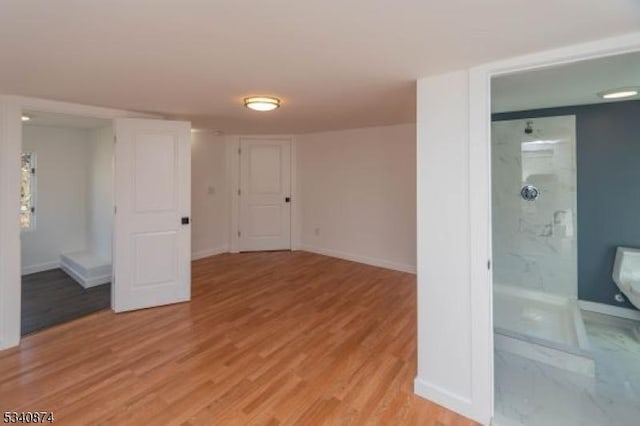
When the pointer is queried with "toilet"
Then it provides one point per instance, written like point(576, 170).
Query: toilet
point(626, 275)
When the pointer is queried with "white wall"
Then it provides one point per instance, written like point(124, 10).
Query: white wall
point(61, 202)
point(100, 192)
point(209, 205)
point(454, 338)
point(357, 197)
point(74, 194)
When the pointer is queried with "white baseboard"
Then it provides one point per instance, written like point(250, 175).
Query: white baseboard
point(616, 311)
point(32, 269)
point(360, 259)
point(440, 396)
point(210, 252)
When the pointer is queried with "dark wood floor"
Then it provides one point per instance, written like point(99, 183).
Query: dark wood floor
point(268, 339)
point(53, 297)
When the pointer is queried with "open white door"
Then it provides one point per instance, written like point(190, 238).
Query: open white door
point(265, 194)
point(152, 235)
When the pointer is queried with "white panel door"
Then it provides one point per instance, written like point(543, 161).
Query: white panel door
point(152, 236)
point(265, 194)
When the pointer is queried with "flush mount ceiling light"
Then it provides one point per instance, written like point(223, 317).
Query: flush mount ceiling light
point(620, 93)
point(25, 118)
point(262, 103)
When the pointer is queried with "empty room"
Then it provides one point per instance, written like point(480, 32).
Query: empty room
point(283, 213)
point(65, 217)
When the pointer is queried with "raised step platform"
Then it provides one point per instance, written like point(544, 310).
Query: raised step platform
point(87, 268)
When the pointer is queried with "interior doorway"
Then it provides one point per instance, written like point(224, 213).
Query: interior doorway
point(265, 194)
point(66, 218)
point(565, 248)
point(151, 208)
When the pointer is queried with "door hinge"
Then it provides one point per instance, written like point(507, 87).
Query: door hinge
point(115, 209)
point(115, 139)
point(239, 192)
point(239, 151)
point(489, 264)
point(33, 170)
point(239, 234)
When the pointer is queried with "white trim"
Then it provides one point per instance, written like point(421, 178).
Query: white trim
point(209, 252)
point(10, 288)
point(233, 183)
point(480, 162)
point(480, 250)
point(11, 109)
point(296, 220)
point(444, 397)
point(565, 55)
point(28, 104)
point(615, 311)
point(411, 269)
point(41, 267)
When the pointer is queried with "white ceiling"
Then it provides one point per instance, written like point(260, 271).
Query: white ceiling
point(335, 64)
point(577, 83)
point(66, 121)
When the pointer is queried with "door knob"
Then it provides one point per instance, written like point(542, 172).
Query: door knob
point(287, 199)
point(185, 220)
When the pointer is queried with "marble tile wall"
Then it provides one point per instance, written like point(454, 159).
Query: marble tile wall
point(535, 242)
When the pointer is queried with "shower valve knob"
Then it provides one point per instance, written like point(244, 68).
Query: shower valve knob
point(529, 192)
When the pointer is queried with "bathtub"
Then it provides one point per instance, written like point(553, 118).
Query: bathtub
point(543, 327)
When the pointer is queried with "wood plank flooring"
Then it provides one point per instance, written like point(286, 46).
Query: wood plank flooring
point(268, 339)
point(53, 297)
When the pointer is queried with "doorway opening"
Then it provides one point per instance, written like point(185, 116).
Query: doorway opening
point(566, 247)
point(66, 218)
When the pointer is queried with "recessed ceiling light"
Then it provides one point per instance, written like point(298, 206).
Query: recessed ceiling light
point(25, 117)
point(621, 93)
point(262, 103)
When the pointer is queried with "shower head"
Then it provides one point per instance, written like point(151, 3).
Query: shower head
point(529, 128)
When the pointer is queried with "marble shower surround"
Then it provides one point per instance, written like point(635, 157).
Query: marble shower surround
point(534, 394)
point(535, 242)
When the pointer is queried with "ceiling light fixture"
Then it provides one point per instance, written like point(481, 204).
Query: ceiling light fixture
point(621, 93)
point(262, 103)
point(25, 118)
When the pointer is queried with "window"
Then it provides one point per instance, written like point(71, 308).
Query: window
point(27, 191)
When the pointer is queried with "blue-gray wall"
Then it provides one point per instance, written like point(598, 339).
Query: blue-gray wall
point(608, 157)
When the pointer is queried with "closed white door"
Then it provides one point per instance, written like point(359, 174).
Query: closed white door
point(152, 236)
point(265, 194)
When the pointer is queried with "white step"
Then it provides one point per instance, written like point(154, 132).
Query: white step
point(87, 268)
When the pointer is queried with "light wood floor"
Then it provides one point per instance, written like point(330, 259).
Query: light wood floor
point(269, 338)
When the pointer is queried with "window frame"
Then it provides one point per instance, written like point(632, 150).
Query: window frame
point(32, 190)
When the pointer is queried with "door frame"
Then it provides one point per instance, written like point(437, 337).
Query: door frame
point(480, 170)
point(11, 110)
point(233, 173)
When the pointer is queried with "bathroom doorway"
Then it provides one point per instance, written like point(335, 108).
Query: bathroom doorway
point(566, 243)
point(66, 218)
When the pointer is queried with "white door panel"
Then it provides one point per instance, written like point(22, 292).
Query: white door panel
point(265, 187)
point(152, 246)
